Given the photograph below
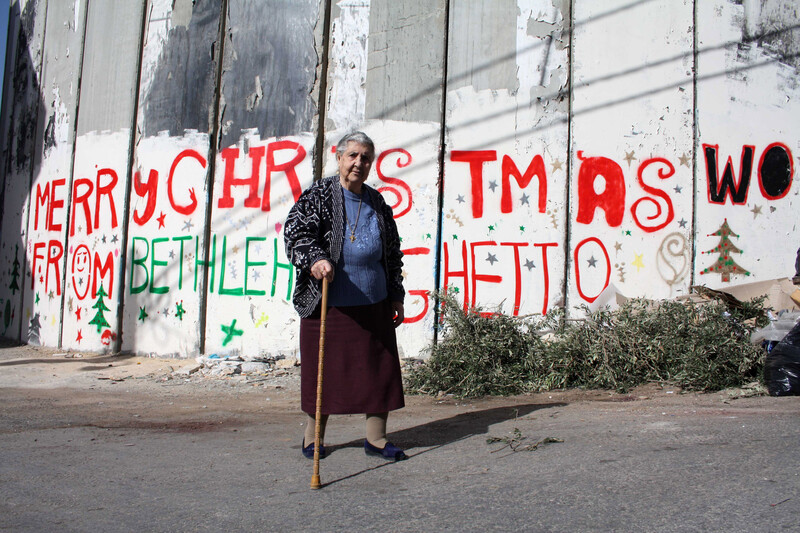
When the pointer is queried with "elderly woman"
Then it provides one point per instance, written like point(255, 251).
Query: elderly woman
point(342, 230)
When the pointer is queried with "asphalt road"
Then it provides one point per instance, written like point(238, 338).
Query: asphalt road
point(85, 446)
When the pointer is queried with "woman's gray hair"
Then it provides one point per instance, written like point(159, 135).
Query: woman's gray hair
point(357, 137)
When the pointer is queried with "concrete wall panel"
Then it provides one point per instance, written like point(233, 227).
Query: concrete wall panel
point(370, 81)
point(268, 131)
point(22, 101)
point(747, 99)
point(167, 215)
point(504, 209)
point(630, 190)
point(50, 188)
point(101, 175)
point(269, 70)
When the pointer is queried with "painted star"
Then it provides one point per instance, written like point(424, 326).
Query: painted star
point(37, 297)
point(556, 165)
point(235, 250)
point(179, 310)
point(684, 160)
point(492, 185)
point(142, 314)
point(104, 239)
point(756, 211)
point(682, 222)
point(80, 282)
point(618, 246)
point(455, 237)
point(678, 189)
point(522, 229)
point(78, 313)
point(256, 275)
point(114, 238)
point(525, 199)
point(166, 311)
point(187, 226)
point(629, 157)
point(638, 263)
point(592, 262)
point(51, 295)
point(627, 233)
point(529, 264)
point(492, 259)
point(161, 220)
point(460, 199)
point(230, 332)
point(428, 236)
point(79, 338)
point(491, 227)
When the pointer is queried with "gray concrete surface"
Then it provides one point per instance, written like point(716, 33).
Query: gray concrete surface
point(123, 444)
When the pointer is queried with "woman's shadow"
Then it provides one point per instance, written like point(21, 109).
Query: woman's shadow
point(438, 433)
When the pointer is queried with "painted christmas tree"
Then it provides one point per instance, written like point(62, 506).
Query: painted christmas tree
point(725, 265)
point(15, 273)
point(99, 319)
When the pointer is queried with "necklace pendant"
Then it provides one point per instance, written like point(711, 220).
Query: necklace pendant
point(352, 238)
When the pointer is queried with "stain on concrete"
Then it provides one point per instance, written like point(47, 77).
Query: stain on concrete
point(181, 95)
point(269, 68)
point(773, 25)
point(27, 98)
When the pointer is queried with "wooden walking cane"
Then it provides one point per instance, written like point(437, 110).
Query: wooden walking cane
point(315, 484)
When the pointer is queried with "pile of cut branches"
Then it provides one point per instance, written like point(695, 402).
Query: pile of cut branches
point(698, 346)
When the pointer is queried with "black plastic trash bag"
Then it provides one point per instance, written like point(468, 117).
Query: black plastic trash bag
point(782, 369)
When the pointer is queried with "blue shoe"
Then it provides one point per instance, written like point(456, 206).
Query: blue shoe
point(390, 451)
point(308, 451)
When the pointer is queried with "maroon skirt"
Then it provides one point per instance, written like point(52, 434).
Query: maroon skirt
point(361, 367)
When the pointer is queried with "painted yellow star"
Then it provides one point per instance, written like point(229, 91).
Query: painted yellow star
point(638, 263)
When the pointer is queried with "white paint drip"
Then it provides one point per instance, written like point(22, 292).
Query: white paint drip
point(158, 26)
point(349, 64)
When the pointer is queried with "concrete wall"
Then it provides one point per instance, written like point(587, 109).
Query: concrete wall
point(537, 153)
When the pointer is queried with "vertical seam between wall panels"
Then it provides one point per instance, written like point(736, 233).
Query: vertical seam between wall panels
point(570, 94)
point(212, 158)
point(692, 240)
point(30, 172)
point(442, 148)
point(130, 177)
point(72, 167)
point(319, 155)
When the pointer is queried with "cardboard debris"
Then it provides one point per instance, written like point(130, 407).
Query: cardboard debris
point(780, 293)
point(611, 297)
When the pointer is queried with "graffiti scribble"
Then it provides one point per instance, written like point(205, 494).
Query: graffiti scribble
point(672, 258)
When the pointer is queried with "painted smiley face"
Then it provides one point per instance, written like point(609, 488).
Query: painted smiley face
point(81, 268)
point(80, 260)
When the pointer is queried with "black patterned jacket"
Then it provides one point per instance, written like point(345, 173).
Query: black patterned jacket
point(314, 230)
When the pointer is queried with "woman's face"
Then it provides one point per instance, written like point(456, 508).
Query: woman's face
point(354, 165)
